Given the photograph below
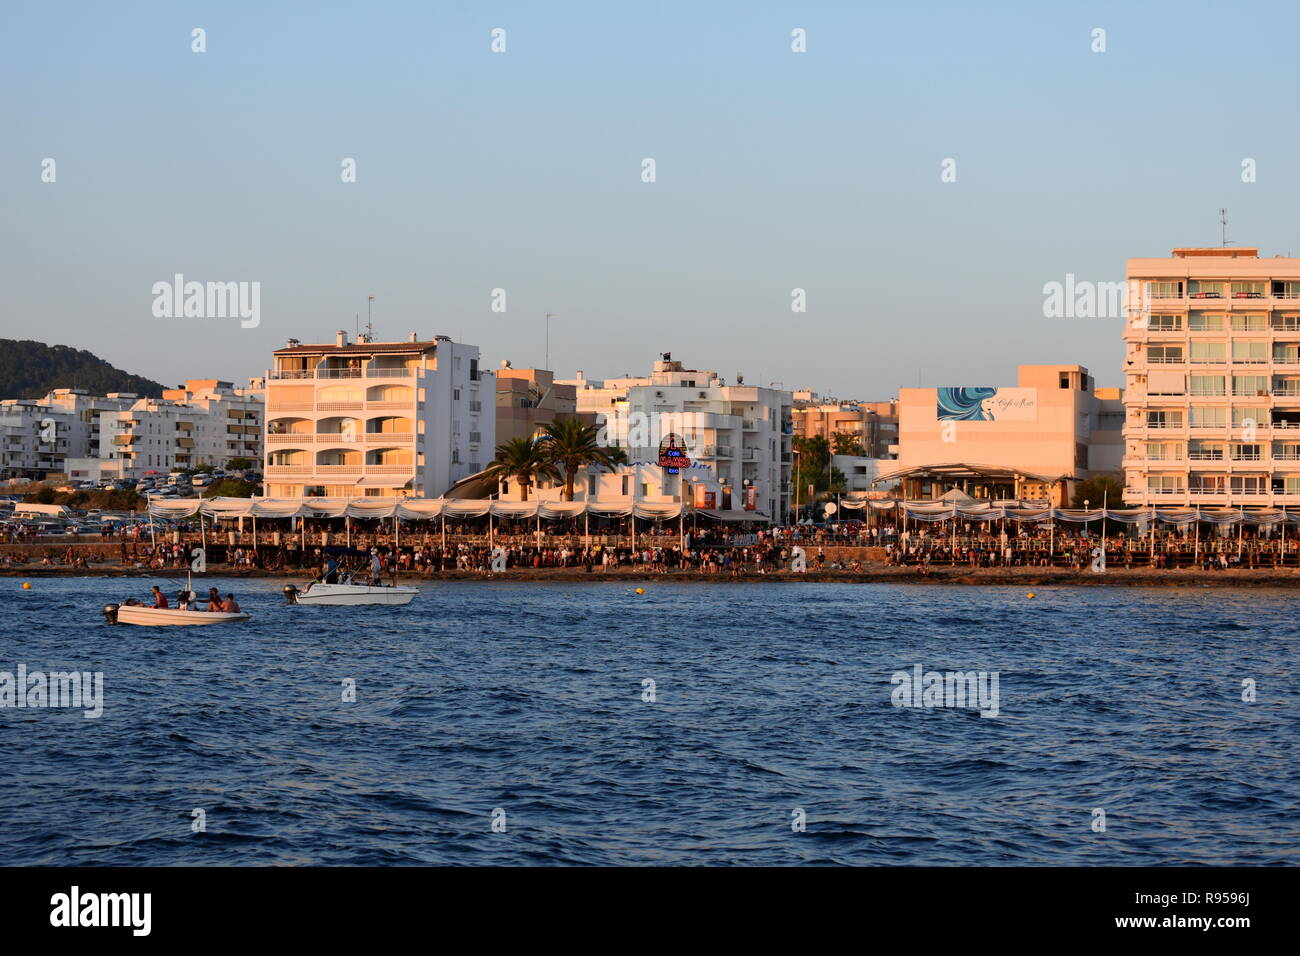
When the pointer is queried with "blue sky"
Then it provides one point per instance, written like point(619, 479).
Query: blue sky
point(522, 171)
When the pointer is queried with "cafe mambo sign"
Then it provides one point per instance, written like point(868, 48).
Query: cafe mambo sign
point(672, 454)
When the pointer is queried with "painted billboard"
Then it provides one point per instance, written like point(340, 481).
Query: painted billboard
point(987, 404)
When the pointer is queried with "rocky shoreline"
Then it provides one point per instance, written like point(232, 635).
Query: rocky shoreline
point(878, 574)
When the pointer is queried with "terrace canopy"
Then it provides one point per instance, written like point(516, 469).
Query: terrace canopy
point(417, 509)
point(980, 481)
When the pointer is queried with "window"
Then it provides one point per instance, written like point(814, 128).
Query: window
point(1164, 290)
point(1250, 385)
point(1249, 323)
point(473, 370)
point(1247, 452)
point(1158, 418)
point(1244, 416)
point(1206, 417)
point(1204, 289)
point(1204, 451)
point(1163, 451)
point(1158, 354)
point(1208, 385)
point(1248, 290)
point(455, 395)
point(1065, 379)
point(1199, 484)
point(1165, 323)
point(1249, 485)
point(1250, 353)
point(1164, 484)
point(1206, 353)
point(1200, 322)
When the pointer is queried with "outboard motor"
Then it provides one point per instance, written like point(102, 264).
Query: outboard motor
point(110, 612)
point(291, 594)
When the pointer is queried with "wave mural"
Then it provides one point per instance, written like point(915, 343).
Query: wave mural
point(985, 404)
point(963, 404)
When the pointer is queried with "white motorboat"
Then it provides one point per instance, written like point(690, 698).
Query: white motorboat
point(167, 616)
point(186, 613)
point(348, 594)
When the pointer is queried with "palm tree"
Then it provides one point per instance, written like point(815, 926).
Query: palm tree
point(572, 445)
point(523, 460)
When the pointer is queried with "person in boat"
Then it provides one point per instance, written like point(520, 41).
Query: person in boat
point(159, 599)
point(376, 569)
point(214, 599)
point(331, 570)
point(230, 606)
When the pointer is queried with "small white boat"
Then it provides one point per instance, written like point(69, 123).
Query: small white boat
point(349, 594)
point(166, 616)
point(186, 613)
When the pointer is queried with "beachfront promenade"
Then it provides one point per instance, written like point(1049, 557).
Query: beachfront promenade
point(847, 552)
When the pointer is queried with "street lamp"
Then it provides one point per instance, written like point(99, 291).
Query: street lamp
point(796, 486)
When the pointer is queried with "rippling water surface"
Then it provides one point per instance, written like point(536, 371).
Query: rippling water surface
point(528, 698)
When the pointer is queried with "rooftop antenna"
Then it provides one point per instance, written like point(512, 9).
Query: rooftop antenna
point(370, 326)
point(1223, 223)
point(549, 316)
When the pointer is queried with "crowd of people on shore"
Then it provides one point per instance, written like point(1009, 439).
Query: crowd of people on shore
point(715, 549)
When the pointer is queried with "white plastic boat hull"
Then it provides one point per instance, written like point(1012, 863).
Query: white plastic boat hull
point(172, 617)
point(352, 595)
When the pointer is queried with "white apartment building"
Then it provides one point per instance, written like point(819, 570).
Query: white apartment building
point(1213, 364)
point(741, 432)
point(34, 439)
point(377, 418)
point(40, 437)
point(204, 422)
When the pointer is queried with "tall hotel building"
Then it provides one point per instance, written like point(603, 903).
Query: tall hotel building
point(1212, 400)
point(391, 419)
